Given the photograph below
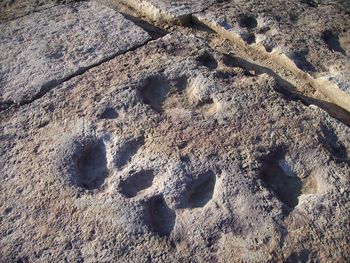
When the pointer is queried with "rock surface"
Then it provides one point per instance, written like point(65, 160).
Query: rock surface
point(191, 154)
point(169, 11)
point(12, 9)
point(174, 152)
point(315, 38)
point(311, 43)
point(42, 50)
point(283, 36)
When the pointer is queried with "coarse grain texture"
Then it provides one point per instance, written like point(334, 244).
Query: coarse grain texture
point(172, 151)
point(42, 50)
point(175, 145)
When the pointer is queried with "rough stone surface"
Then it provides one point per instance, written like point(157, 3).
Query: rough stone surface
point(314, 38)
point(173, 152)
point(41, 50)
point(186, 148)
point(12, 9)
point(181, 7)
point(169, 11)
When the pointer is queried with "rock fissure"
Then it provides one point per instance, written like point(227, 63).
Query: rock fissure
point(156, 142)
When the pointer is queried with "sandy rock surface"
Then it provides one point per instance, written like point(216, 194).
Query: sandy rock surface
point(13, 9)
point(169, 11)
point(186, 148)
point(315, 38)
point(42, 50)
point(310, 42)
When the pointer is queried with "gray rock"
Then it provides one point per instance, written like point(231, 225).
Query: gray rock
point(42, 50)
point(311, 44)
point(13, 9)
point(169, 11)
point(173, 152)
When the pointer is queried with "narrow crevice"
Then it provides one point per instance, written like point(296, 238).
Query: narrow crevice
point(4, 105)
point(54, 83)
point(197, 26)
point(284, 87)
point(154, 31)
point(327, 88)
point(234, 61)
point(288, 90)
point(332, 109)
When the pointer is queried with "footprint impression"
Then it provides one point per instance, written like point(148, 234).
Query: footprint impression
point(157, 215)
point(163, 94)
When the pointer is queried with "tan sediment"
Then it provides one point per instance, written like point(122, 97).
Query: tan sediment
point(257, 52)
point(156, 14)
point(327, 88)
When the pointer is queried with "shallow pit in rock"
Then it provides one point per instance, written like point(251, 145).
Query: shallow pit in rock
point(199, 190)
point(136, 182)
point(127, 150)
point(92, 166)
point(108, 113)
point(208, 60)
point(283, 182)
point(248, 21)
point(332, 41)
point(158, 217)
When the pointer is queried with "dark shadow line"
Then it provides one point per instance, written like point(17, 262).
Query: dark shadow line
point(289, 90)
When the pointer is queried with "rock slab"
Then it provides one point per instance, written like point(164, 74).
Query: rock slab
point(310, 42)
point(169, 11)
point(43, 49)
point(173, 152)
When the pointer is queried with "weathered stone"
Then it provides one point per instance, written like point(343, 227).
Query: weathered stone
point(13, 9)
point(286, 34)
point(169, 11)
point(42, 50)
point(174, 152)
point(311, 43)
